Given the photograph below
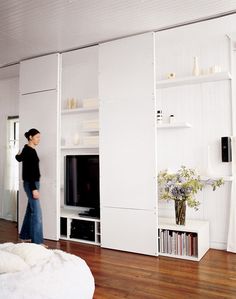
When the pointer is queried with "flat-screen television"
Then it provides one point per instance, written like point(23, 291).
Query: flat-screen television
point(82, 182)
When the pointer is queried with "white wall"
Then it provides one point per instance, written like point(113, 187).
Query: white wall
point(9, 98)
point(206, 106)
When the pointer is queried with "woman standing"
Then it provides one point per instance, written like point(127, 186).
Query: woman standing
point(32, 228)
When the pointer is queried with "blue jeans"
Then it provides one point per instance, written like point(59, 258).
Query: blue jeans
point(32, 227)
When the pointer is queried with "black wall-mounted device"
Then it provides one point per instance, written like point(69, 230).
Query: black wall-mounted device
point(226, 149)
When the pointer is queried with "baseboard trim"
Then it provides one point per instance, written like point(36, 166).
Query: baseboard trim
point(218, 245)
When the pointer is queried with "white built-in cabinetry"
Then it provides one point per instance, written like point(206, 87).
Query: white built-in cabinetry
point(190, 241)
point(39, 108)
point(79, 132)
point(128, 138)
point(132, 146)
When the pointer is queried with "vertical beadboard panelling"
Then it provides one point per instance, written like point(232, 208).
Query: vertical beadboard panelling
point(207, 107)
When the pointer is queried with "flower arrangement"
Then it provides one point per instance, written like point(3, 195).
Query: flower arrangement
point(184, 185)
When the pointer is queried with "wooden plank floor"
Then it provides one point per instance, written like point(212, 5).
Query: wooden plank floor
point(125, 275)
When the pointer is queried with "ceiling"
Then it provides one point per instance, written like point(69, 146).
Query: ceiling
point(30, 28)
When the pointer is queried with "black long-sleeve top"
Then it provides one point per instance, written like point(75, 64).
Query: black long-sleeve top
point(30, 167)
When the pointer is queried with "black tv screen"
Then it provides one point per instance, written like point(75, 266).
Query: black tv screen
point(82, 182)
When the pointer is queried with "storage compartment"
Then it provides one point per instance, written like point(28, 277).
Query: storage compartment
point(82, 229)
point(190, 241)
point(63, 226)
point(178, 243)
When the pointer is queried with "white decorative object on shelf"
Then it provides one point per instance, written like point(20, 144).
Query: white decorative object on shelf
point(215, 69)
point(91, 140)
point(196, 71)
point(194, 80)
point(205, 71)
point(92, 124)
point(76, 139)
point(174, 125)
point(90, 103)
point(171, 119)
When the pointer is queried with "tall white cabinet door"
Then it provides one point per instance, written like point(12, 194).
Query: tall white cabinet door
point(128, 140)
point(39, 74)
point(39, 108)
point(38, 111)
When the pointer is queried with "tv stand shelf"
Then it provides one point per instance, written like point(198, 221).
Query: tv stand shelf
point(78, 228)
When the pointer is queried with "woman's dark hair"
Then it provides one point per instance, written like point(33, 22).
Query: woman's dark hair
point(31, 133)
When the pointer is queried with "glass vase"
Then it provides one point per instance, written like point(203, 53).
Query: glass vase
point(180, 212)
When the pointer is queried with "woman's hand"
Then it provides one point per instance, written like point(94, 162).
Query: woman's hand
point(35, 194)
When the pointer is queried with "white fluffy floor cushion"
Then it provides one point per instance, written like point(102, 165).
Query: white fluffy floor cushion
point(32, 271)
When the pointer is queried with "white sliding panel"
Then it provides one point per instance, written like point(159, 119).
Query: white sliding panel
point(129, 230)
point(128, 140)
point(40, 110)
point(39, 74)
point(36, 112)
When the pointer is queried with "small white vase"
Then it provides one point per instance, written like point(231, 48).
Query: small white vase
point(76, 139)
point(196, 71)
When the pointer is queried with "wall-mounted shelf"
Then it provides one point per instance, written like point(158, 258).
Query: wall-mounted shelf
point(193, 80)
point(65, 147)
point(78, 110)
point(226, 178)
point(173, 125)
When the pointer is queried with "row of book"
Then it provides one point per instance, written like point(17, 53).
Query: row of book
point(178, 243)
